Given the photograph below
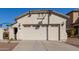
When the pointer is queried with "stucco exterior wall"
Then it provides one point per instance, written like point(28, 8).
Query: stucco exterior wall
point(1, 33)
point(33, 19)
point(75, 16)
point(59, 20)
point(54, 19)
point(11, 33)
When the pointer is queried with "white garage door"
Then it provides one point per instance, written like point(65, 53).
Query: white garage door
point(33, 33)
point(53, 33)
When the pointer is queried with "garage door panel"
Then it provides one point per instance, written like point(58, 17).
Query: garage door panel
point(34, 34)
point(53, 33)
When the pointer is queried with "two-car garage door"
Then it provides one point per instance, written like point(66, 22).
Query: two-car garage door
point(40, 33)
point(34, 33)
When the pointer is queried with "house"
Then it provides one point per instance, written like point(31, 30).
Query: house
point(1, 31)
point(6, 34)
point(74, 20)
point(39, 25)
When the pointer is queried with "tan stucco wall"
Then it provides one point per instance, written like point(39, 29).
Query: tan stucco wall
point(54, 19)
point(58, 20)
point(30, 33)
point(32, 19)
point(75, 16)
point(11, 33)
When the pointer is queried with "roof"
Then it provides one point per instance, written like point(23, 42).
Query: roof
point(43, 11)
point(72, 11)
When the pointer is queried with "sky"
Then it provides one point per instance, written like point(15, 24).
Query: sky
point(8, 15)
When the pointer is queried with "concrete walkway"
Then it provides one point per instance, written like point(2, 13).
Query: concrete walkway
point(35, 45)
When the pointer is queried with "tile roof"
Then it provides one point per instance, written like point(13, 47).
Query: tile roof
point(43, 11)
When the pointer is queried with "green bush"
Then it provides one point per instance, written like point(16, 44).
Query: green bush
point(72, 31)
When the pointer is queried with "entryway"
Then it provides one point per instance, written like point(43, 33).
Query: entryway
point(15, 33)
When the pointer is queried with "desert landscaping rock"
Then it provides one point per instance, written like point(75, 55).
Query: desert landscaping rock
point(5, 46)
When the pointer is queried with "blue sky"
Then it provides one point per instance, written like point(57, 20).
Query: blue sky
point(8, 15)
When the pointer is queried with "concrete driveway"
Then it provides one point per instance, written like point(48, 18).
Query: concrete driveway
point(34, 45)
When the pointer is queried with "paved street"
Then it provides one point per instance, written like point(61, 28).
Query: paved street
point(30, 45)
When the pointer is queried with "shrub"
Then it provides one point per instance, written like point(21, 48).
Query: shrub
point(72, 31)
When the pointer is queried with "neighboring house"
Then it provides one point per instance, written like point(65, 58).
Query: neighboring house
point(1, 32)
point(74, 20)
point(6, 34)
point(39, 25)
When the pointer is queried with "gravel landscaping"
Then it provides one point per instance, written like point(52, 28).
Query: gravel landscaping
point(5, 46)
